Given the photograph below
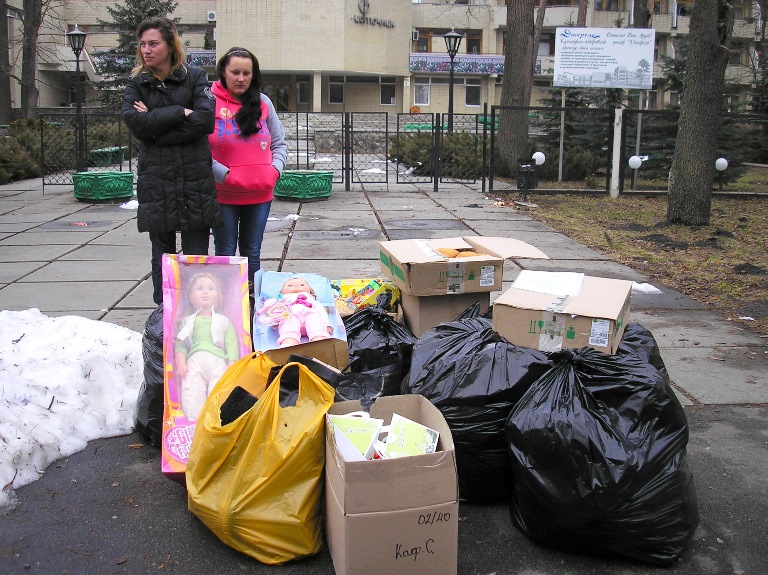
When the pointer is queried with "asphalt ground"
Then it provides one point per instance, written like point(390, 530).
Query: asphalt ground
point(108, 509)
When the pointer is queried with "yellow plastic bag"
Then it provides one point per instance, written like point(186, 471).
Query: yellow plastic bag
point(257, 482)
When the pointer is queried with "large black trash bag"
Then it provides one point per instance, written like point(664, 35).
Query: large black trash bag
point(599, 452)
point(475, 377)
point(639, 342)
point(380, 351)
point(148, 418)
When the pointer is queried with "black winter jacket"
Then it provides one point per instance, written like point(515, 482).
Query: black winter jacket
point(175, 188)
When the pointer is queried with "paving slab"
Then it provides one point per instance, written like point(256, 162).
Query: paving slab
point(301, 249)
point(65, 296)
point(417, 234)
point(14, 271)
point(450, 227)
point(392, 217)
point(133, 319)
point(17, 227)
point(478, 212)
point(335, 269)
point(13, 218)
point(119, 254)
point(555, 245)
point(33, 253)
point(341, 220)
point(48, 237)
point(125, 234)
point(693, 328)
point(85, 270)
point(140, 297)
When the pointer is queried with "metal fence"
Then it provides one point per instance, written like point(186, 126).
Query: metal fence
point(108, 145)
point(374, 148)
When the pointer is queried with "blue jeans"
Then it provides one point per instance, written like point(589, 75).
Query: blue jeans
point(193, 242)
point(250, 221)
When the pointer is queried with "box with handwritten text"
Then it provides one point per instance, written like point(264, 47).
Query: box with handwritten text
point(397, 515)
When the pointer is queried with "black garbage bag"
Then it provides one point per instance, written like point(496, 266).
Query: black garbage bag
point(639, 342)
point(380, 351)
point(598, 446)
point(475, 377)
point(148, 418)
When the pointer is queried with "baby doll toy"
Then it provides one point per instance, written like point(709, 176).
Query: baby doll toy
point(205, 345)
point(296, 312)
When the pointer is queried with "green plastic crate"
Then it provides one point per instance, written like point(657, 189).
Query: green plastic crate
point(304, 184)
point(105, 185)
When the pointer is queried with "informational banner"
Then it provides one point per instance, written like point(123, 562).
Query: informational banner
point(604, 58)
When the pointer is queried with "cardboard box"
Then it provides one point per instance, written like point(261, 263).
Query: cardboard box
point(417, 268)
point(421, 313)
point(594, 316)
point(393, 515)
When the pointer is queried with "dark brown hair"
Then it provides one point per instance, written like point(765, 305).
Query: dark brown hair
point(248, 116)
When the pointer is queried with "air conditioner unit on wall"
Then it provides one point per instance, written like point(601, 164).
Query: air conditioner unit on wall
point(415, 36)
point(211, 16)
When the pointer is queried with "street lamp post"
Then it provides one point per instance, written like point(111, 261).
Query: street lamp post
point(77, 41)
point(452, 43)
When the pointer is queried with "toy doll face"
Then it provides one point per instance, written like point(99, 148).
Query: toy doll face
point(204, 294)
point(296, 285)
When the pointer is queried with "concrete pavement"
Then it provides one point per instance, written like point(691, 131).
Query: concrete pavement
point(109, 510)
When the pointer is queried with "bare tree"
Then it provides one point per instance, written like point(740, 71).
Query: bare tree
point(693, 163)
point(5, 68)
point(642, 13)
point(33, 19)
point(519, 60)
point(581, 19)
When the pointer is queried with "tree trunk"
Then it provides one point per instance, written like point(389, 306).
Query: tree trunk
point(540, 13)
point(642, 13)
point(516, 88)
point(29, 92)
point(581, 19)
point(693, 163)
point(5, 68)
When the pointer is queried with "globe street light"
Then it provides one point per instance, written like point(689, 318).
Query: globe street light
point(452, 43)
point(77, 41)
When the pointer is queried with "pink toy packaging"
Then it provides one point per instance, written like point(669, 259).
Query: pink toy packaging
point(206, 328)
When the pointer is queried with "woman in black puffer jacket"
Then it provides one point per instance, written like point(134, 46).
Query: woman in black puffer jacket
point(168, 105)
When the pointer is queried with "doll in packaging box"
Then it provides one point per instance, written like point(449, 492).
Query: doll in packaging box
point(296, 312)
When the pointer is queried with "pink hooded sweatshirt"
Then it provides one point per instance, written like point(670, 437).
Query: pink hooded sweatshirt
point(252, 175)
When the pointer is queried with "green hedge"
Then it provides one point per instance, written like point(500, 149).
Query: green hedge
point(20, 151)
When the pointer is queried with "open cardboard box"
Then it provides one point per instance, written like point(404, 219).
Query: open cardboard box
point(594, 316)
point(417, 268)
point(421, 313)
point(393, 515)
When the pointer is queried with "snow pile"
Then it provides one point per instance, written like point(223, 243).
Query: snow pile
point(63, 382)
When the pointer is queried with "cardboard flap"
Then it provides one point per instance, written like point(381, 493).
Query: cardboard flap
point(505, 248)
point(413, 251)
point(599, 297)
point(334, 352)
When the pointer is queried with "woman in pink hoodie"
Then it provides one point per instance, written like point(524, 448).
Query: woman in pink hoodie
point(249, 152)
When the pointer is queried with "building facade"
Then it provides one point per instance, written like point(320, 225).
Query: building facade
point(369, 55)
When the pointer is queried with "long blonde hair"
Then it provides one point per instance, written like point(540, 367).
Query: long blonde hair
point(171, 36)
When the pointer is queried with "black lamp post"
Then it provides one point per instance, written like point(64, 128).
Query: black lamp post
point(452, 43)
point(77, 42)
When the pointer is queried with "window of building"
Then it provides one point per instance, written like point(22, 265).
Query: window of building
point(474, 42)
point(607, 5)
point(302, 89)
point(336, 90)
point(734, 59)
point(546, 45)
point(421, 91)
point(431, 40)
point(674, 97)
point(388, 97)
point(472, 92)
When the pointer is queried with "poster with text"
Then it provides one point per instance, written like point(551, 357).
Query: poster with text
point(604, 58)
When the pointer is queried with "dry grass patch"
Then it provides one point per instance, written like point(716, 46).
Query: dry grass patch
point(723, 265)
